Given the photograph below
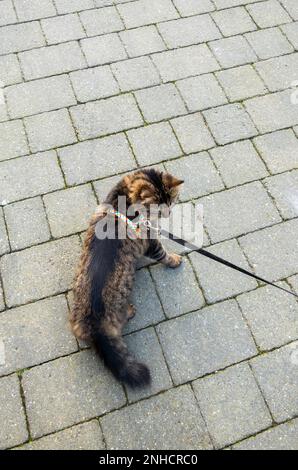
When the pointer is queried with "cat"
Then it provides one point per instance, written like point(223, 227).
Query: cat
point(106, 272)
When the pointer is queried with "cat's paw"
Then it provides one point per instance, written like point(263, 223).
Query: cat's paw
point(174, 260)
point(131, 311)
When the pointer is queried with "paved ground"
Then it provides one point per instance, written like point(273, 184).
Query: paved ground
point(95, 88)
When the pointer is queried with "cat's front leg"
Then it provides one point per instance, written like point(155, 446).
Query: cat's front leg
point(157, 252)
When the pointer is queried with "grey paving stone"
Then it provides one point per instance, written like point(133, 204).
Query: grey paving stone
point(101, 21)
point(244, 412)
point(282, 437)
point(142, 13)
point(250, 202)
point(160, 102)
point(178, 289)
point(292, 8)
point(269, 43)
point(94, 83)
point(103, 49)
point(39, 271)
point(10, 72)
point(271, 315)
point(2, 305)
point(221, 4)
point(273, 112)
point(109, 116)
point(28, 10)
point(62, 28)
point(171, 420)
point(45, 169)
point(69, 390)
point(154, 143)
point(14, 431)
point(7, 13)
point(3, 113)
point(145, 347)
point(233, 51)
point(43, 324)
point(135, 73)
point(185, 62)
point(229, 123)
point(4, 245)
point(279, 150)
point(294, 282)
point(199, 174)
point(69, 210)
point(238, 163)
point(284, 190)
point(141, 41)
point(49, 130)
point(52, 60)
point(192, 133)
point(220, 282)
point(233, 21)
point(26, 223)
point(291, 31)
point(39, 96)
point(144, 298)
point(13, 142)
point(86, 436)
point(241, 83)
point(279, 73)
point(203, 342)
point(273, 252)
point(201, 92)
point(269, 13)
point(193, 7)
point(88, 161)
point(277, 375)
point(188, 31)
point(69, 6)
point(103, 186)
point(20, 37)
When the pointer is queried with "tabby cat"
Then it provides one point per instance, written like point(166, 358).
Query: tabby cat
point(106, 272)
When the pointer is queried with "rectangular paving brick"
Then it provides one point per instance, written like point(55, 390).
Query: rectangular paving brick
point(141, 41)
point(39, 271)
point(233, 21)
point(283, 189)
point(291, 7)
point(87, 161)
point(43, 324)
point(26, 223)
point(4, 245)
point(185, 62)
point(230, 123)
point(244, 412)
point(39, 96)
point(20, 37)
point(291, 32)
point(7, 13)
point(221, 4)
point(14, 431)
point(2, 305)
point(103, 49)
point(271, 315)
point(269, 13)
point(274, 251)
point(69, 6)
point(62, 28)
point(34, 9)
point(93, 84)
point(252, 205)
point(69, 390)
point(70, 210)
point(52, 60)
point(188, 31)
point(279, 73)
point(174, 415)
point(141, 13)
point(279, 150)
point(241, 83)
point(101, 21)
point(201, 92)
point(220, 282)
point(233, 51)
point(193, 7)
point(45, 169)
point(10, 72)
point(269, 43)
point(178, 289)
point(109, 116)
point(49, 130)
point(135, 73)
point(205, 341)
point(86, 436)
point(192, 133)
point(154, 143)
point(13, 142)
point(277, 375)
point(160, 102)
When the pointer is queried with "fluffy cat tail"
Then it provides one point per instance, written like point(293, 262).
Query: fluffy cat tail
point(122, 364)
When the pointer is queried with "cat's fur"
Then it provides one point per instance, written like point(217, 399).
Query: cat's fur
point(106, 272)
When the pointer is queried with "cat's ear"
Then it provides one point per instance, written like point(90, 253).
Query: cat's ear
point(176, 182)
point(171, 181)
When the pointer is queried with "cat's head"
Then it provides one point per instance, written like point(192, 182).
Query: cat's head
point(153, 187)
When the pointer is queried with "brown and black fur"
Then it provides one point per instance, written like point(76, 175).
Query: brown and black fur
point(106, 272)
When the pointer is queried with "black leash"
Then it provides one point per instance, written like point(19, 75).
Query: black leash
point(209, 255)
